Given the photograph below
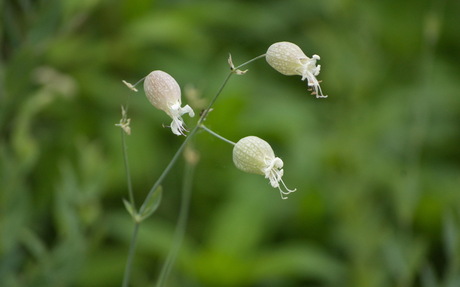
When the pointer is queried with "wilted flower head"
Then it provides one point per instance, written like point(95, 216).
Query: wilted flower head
point(288, 59)
point(164, 93)
point(254, 155)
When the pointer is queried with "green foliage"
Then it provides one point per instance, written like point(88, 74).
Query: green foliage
point(376, 165)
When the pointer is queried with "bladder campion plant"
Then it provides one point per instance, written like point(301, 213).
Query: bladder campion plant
point(250, 154)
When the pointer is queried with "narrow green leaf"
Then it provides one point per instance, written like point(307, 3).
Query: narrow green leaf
point(152, 204)
point(130, 208)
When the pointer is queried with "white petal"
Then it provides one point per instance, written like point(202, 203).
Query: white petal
point(187, 110)
point(177, 127)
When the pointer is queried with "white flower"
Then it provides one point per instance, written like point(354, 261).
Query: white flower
point(254, 155)
point(288, 59)
point(164, 93)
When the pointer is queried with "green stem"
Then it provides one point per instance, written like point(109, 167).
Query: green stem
point(250, 61)
point(206, 111)
point(132, 249)
point(168, 168)
point(216, 135)
point(127, 170)
point(181, 224)
point(137, 83)
point(181, 148)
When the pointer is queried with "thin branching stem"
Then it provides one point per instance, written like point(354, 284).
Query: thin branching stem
point(127, 170)
point(169, 167)
point(137, 83)
point(206, 111)
point(181, 148)
point(250, 61)
point(132, 249)
point(216, 135)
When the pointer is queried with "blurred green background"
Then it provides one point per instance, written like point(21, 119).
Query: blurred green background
point(376, 165)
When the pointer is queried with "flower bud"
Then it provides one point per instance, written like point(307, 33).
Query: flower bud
point(164, 93)
point(288, 59)
point(254, 155)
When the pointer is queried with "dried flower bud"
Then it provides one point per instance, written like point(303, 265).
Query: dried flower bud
point(254, 155)
point(124, 121)
point(164, 93)
point(288, 59)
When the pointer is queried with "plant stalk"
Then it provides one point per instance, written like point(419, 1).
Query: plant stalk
point(165, 172)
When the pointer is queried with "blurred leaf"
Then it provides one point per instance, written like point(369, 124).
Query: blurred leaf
point(153, 203)
point(380, 155)
point(130, 208)
point(299, 261)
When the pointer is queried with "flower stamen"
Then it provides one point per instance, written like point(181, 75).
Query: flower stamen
point(274, 173)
